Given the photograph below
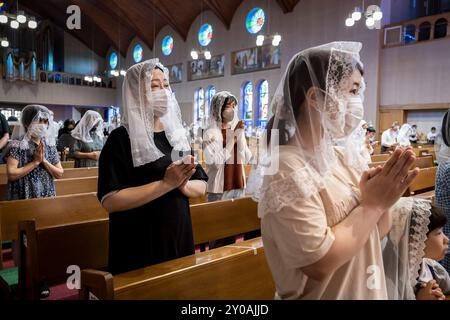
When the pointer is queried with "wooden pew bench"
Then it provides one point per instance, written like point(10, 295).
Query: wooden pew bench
point(55, 240)
point(234, 272)
point(423, 183)
point(421, 162)
point(48, 212)
point(68, 174)
point(64, 186)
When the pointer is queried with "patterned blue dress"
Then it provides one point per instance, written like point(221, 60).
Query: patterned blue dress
point(39, 182)
point(443, 201)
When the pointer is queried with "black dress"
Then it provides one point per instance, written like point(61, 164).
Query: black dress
point(159, 231)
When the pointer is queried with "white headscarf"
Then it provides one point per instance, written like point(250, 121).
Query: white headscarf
point(138, 115)
point(403, 135)
point(404, 250)
point(335, 115)
point(83, 130)
point(31, 115)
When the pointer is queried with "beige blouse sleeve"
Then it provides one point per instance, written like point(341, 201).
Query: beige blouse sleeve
point(300, 232)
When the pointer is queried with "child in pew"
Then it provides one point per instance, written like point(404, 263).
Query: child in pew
point(412, 248)
point(33, 162)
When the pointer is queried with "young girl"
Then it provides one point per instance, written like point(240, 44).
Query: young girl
point(413, 245)
point(432, 273)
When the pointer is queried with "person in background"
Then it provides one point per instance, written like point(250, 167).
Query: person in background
point(389, 138)
point(33, 162)
point(413, 134)
point(115, 123)
point(4, 135)
point(226, 153)
point(431, 136)
point(89, 140)
point(443, 180)
point(65, 139)
point(69, 125)
point(403, 136)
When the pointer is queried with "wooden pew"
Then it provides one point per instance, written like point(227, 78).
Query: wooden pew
point(421, 162)
point(68, 174)
point(233, 272)
point(65, 186)
point(46, 254)
point(217, 220)
point(424, 183)
point(210, 221)
point(380, 157)
point(65, 164)
point(48, 212)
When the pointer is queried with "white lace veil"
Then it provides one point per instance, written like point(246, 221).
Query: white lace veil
point(309, 129)
point(138, 116)
point(89, 120)
point(404, 250)
point(32, 114)
point(403, 135)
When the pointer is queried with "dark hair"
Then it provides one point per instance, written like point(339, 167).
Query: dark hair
point(69, 122)
point(433, 128)
point(228, 100)
point(371, 129)
point(299, 77)
point(437, 219)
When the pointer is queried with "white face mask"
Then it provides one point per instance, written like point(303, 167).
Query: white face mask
point(160, 102)
point(345, 117)
point(228, 115)
point(38, 130)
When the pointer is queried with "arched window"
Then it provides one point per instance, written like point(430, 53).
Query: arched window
point(410, 34)
point(199, 104)
point(10, 67)
point(210, 92)
point(440, 28)
point(263, 104)
point(424, 31)
point(138, 53)
point(247, 107)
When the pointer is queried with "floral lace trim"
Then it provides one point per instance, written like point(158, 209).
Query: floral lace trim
point(418, 230)
point(288, 188)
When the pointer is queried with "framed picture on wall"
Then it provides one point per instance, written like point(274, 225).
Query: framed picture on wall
point(255, 59)
point(175, 72)
point(204, 69)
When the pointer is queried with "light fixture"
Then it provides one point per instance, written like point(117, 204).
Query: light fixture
point(194, 54)
point(123, 73)
point(373, 15)
point(276, 40)
point(21, 18)
point(370, 22)
point(356, 15)
point(32, 24)
point(378, 15)
point(3, 18)
point(14, 24)
point(88, 79)
point(260, 40)
point(4, 42)
point(350, 22)
point(207, 54)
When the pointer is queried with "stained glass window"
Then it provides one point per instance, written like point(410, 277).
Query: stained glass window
point(263, 104)
point(199, 105)
point(210, 92)
point(113, 60)
point(255, 20)
point(167, 45)
point(138, 53)
point(205, 34)
point(247, 107)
